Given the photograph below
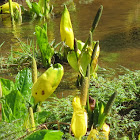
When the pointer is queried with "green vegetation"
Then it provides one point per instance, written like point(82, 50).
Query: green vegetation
point(123, 119)
point(39, 9)
point(105, 108)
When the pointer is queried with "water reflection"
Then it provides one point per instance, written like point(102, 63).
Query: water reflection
point(118, 30)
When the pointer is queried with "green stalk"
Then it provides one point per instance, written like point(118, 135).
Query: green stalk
point(84, 90)
point(11, 10)
point(31, 118)
point(0, 103)
point(75, 47)
point(34, 70)
point(88, 75)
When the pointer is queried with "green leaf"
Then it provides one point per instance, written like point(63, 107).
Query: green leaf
point(83, 62)
point(72, 59)
point(14, 106)
point(44, 46)
point(45, 135)
point(6, 112)
point(29, 4)
point(36, 8)
point(38, 135)
point(96, 114)
point(7, 86)
point(80, 45)
point(24, 83)
point(40, 117)
point(53, 135)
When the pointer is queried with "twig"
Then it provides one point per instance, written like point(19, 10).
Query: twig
point(13, 65)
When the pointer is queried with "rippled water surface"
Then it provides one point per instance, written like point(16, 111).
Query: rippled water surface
point(118, 30)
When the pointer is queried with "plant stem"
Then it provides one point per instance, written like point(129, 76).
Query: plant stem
point(31, 115)
point(84, 90)
point(0, 103)
point(11, 10)
point(34, 70)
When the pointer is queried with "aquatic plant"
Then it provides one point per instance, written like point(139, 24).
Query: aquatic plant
point(123, 120)
point(80, 55)
point(79, 119)
point(45, 48)
point(66, 30)
point(39, 9)
point(18, 97)
point(47, 83)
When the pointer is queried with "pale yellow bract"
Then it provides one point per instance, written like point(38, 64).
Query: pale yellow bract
point(66, 30)
point(47, 83)
point(79, 119)
point(99, 135)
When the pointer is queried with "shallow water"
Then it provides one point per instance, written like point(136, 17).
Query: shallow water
point(118, 30)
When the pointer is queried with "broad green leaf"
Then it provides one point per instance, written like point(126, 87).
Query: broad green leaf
point(45, 135)
point(38, 135)
point(72, 59)
point(7, 86)
point(53, 135)
point(44, 46)
point(6, 112)
point(29, 4)
point(80, 45)
point(36, 8)
point(83, 62)
point(24, 83)
point(40, 117)
point(14, 106)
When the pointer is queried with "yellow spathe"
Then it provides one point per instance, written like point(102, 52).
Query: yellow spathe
point(66, 30)
point(94, 135)
point(47, 83)
point(99, 135)
point(79, 119)
point(4, 9)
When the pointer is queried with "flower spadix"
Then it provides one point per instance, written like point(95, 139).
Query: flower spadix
point(47, 83)
point(66, 30)
point(79, 119)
